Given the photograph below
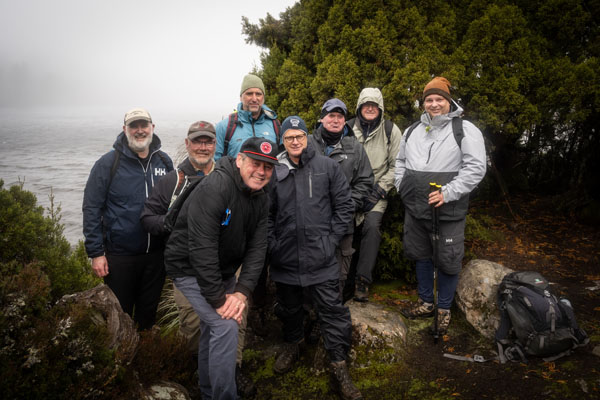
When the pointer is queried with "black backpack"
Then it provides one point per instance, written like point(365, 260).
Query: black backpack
point(183, 188)
point(533, 321)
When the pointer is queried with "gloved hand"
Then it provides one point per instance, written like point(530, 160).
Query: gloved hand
point(377, 193)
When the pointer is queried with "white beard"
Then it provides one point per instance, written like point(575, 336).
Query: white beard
point(136, 145)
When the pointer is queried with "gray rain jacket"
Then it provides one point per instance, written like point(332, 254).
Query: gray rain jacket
point(432, 155)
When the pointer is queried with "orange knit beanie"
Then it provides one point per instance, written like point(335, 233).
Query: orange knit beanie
point(438, 85)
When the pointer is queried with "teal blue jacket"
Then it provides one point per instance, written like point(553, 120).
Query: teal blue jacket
point(247, 127)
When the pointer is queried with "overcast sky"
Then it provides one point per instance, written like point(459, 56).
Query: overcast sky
point(177, 54)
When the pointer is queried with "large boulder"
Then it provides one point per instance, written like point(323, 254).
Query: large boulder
point(106, 310)
point(476, 294)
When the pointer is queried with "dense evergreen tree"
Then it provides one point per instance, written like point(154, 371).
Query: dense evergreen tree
point(526, 72)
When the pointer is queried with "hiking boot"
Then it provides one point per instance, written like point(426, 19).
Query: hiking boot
point(315, 333)
point(285, 360)
point(443, 318)
point(361, 290)
point(342, 382)
point(245, 386)
point(420, 309)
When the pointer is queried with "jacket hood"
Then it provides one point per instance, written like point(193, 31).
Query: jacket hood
point(440, 120)
point(374, 95)
point(122, 145)
point(370, 94)
point(246, 116)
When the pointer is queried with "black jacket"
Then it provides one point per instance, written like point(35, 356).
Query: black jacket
point(310, 210)
point(210, 243)
point(157, 204)
point(112, 208)
point(353, 160)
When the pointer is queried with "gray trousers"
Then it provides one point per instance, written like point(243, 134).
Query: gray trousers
point(370, 238)
point(217, 347)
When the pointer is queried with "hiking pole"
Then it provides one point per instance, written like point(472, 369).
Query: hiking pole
point(435, 238)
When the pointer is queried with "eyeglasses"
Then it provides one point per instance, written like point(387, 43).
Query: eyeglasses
point(207, 143)
point(290, 139)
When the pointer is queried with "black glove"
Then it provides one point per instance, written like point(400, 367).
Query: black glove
point(377, 193)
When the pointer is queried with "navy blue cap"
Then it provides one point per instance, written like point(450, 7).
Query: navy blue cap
point(334, 105)
point(293, 122)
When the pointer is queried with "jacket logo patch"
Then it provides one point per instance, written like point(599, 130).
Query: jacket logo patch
point(160, 171)
point(449, 240)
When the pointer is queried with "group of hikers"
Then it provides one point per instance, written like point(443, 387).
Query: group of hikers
point(271, 201)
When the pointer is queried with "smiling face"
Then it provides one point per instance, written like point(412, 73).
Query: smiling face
point(333, 122)
point(139, 136)
point(252, 100)
point(201, 151)
point(255, 173)
point(294, 141)
point(369, 111)
point(436, 105)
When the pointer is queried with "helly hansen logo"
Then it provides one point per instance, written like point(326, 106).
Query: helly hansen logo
point(449, 240)
point(159, 171)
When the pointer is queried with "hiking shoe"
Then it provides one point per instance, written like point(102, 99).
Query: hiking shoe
point(361, 290)
point(443, 318)
point(420, 309)
point(315, 333)
point(342, 383)
point(285, 360)
point(245, 386)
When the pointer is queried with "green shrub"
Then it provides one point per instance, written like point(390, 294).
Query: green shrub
point(29, 236)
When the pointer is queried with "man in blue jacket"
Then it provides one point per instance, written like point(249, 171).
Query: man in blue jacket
point(252, 119)
point(129, 259)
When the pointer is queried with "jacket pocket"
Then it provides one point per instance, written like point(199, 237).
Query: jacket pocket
point(451, 251)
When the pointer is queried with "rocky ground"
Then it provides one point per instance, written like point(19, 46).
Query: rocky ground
point(564, 250)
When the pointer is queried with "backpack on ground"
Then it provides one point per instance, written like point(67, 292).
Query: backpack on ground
point(234, 122)
point(183, 188)
point(457, 130)
point(533, 321)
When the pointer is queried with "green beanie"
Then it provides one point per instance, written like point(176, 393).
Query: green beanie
point(252, 81)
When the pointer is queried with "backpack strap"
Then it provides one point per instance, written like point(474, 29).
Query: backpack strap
point(162, 158)
point(457, 129)
point(232, 124)
point(277, 129)
point(115, 166)
point(410, 130)
point(178, 186)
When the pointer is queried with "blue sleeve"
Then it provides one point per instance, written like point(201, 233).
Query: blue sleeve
point(220, 129)
point(94, 200)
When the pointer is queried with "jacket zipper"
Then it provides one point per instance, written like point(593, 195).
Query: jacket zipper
point(429, 155)
point(146, 187)
point(310, 184)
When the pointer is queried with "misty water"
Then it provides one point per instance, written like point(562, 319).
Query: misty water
point(53, 150)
